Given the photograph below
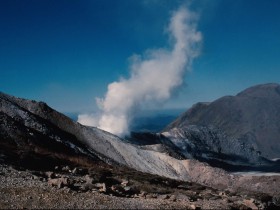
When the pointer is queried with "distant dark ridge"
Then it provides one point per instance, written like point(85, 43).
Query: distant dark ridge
point(252, 115)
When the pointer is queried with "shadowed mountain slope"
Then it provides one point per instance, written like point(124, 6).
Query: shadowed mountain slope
point(252, 116)
point(34, 129)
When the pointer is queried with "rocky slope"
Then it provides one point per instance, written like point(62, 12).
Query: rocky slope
point(239, 130)
point(34, 130)
point(34, 136)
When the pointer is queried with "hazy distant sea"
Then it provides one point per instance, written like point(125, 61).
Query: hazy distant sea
point(149, 120)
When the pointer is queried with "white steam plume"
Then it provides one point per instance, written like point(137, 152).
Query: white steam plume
point(151, 79)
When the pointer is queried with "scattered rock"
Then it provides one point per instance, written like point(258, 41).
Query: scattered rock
point(142, 194)
point(50, 174)
point(88, 179)
point(250, 203)
point(101, 187)
point(66, 169)
point(125, 183)
point(227, 200)
point(173, 198)
point(127, 188)
point(79, 171)
point(104, 188)
point(59, 182)
point(240, 206)
point(163, 197)
point(222, 193)
point(192, 206)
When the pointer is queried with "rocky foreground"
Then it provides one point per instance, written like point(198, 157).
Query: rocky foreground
point(106, 188)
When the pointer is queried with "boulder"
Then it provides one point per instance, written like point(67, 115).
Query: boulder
point(163, 197)
point(192, 206)
point(59, 182)
point(173, 198)
point(88, 179)
point(66, 169)
point(101, 186)
point(125, 183)
point(86, 187)
point(50, 174)
point(79, 171)
point(250, 203)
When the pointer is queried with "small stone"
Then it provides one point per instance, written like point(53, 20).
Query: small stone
point(226, 200)
point(142, 194)
point(79, 171)
point(98, 185)
point(222, 193)
point(50, 174)
point(192, 206)
point(74, 171)
point(155, 196)
point(127, 189)
point(66, 168)
point(173, 198)
point(164, 197)
point(88, 179)
point(149, 196)
point(102, 187)
point(59, 182)
point(125, 183)
point(250, 203)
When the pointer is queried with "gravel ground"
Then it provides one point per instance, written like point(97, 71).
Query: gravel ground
point(22, 189)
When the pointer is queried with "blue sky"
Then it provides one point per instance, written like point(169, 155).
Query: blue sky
point(66, 52)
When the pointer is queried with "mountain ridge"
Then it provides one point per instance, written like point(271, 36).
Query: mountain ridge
point(251, 116)
point(27, 124)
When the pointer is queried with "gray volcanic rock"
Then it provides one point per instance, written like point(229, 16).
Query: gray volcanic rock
point(34, 135)
point(30, 127)
point(213, 146)
point(30, 141)
point(247, 123)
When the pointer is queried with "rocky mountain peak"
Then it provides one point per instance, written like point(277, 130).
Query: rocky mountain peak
point(250, 116)
point(265, 91)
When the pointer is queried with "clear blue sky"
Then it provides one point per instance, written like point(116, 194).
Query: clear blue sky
point(65, 52)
